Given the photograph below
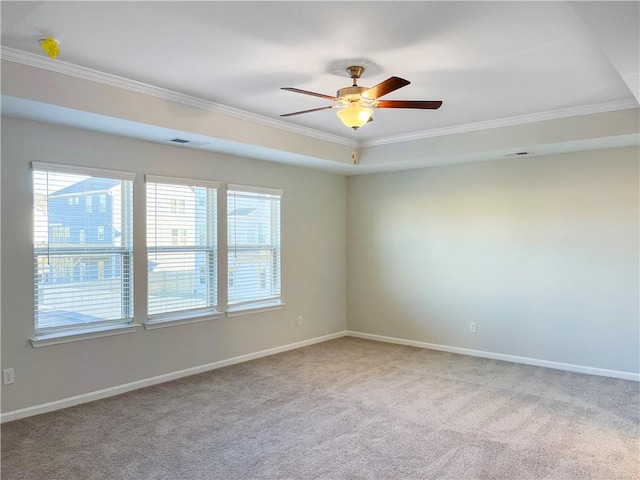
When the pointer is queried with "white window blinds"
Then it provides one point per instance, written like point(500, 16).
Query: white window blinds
point(82, 255)
point(253, 230)
point(181, 246)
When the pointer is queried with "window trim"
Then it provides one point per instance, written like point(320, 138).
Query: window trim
point(278, 192)
point(78, 170)
point(58, 337)
point(187, 316)
point(238, 311)
point(189, 182)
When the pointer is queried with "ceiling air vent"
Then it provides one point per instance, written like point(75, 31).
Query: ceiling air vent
point(516, 154)
point(184, 141)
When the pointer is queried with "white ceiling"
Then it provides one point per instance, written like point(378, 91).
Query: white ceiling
point(487, 61)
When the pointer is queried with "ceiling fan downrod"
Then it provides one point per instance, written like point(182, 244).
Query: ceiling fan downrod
point(354, 92)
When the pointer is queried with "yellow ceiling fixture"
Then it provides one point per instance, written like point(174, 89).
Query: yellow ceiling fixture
point(355, 115)
point(50, 46)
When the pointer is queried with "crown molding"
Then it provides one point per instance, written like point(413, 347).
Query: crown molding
point(506, 122)
point(58, 66)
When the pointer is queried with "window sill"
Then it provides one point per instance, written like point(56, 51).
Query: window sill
point(176, 320)
point(250, 310)
point(84, 334)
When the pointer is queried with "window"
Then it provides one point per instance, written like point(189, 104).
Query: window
point(80, 287)
point(177, 205)
point(179, 236)
point(253, 228)
point(83, 236)
point(89, 204)
point(181, 248)
point(101, 232)
point(103, 203)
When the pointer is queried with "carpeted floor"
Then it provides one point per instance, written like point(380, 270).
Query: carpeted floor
point(344, 409)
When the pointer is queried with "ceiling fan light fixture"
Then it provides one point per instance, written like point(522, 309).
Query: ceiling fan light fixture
point(355, 115)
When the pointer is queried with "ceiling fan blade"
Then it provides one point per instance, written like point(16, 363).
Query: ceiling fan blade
point(388, 86)
point(429, 105)
point(309, 111)
point(306, 92)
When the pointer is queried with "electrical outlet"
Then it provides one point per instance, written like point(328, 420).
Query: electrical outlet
point(300, 320)
point(8, 376)
point(473, 327)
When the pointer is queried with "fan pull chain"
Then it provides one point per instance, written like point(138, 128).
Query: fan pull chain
point(354, 158)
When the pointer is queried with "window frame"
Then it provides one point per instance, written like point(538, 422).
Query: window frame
point(60, 253)
point(187, 315)
point(267, 302)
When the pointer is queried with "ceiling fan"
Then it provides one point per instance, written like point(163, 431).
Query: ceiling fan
point(356, 103)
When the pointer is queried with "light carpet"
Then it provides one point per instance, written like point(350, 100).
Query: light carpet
point(344, 409)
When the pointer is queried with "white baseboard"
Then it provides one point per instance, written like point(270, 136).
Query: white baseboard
point(147, 382)
point(501, 356)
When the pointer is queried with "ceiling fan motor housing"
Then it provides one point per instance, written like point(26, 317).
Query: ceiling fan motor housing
point(351, 93)
point(355, 71)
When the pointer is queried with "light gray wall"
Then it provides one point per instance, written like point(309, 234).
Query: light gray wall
point(541, 252)
point(313, 265)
